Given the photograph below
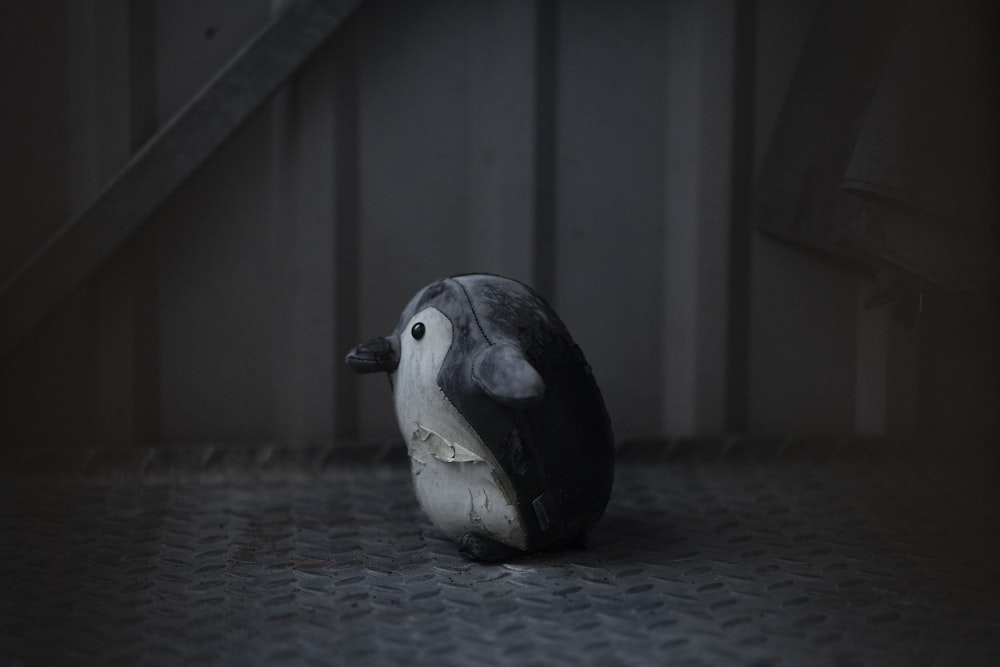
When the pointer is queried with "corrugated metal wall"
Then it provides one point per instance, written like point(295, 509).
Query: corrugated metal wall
point(600, 151)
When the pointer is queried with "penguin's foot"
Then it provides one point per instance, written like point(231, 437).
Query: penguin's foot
point(479, 547)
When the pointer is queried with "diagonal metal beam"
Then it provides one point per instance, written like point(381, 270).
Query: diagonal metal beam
point(164, 162)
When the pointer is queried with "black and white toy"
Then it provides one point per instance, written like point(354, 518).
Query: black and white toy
point(510, 444)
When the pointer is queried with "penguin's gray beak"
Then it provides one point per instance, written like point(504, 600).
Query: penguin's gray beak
point(378, 354)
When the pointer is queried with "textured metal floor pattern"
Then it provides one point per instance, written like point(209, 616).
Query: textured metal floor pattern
point(709, 563)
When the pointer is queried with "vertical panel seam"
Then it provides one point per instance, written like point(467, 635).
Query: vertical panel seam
point(546, 109)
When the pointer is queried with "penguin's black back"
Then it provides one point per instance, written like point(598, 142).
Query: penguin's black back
point(559, 455)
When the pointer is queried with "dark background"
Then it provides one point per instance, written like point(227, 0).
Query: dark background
point(606, 153)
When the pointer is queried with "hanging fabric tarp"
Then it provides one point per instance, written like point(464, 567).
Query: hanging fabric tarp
point(885, 153)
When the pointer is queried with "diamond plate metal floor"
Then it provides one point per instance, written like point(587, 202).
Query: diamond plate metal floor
point(271, 556)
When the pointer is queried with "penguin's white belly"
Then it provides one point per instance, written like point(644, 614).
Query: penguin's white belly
point(460, 493)
point(455, 477)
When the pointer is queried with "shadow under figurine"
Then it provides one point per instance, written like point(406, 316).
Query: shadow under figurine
point(510, 444)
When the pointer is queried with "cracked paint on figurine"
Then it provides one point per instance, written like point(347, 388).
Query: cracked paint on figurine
point(449, 460)
point(510, 442)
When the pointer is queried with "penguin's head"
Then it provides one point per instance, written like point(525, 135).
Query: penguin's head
point(417, 348)
point(441, 339)
point(422, 336)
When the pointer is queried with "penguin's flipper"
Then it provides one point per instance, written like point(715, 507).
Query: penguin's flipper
point(503, 372)
point(475, 546)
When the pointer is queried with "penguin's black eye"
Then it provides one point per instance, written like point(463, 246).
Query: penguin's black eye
point(418, 330)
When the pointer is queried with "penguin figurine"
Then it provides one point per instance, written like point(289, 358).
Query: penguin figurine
point(510, 443)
